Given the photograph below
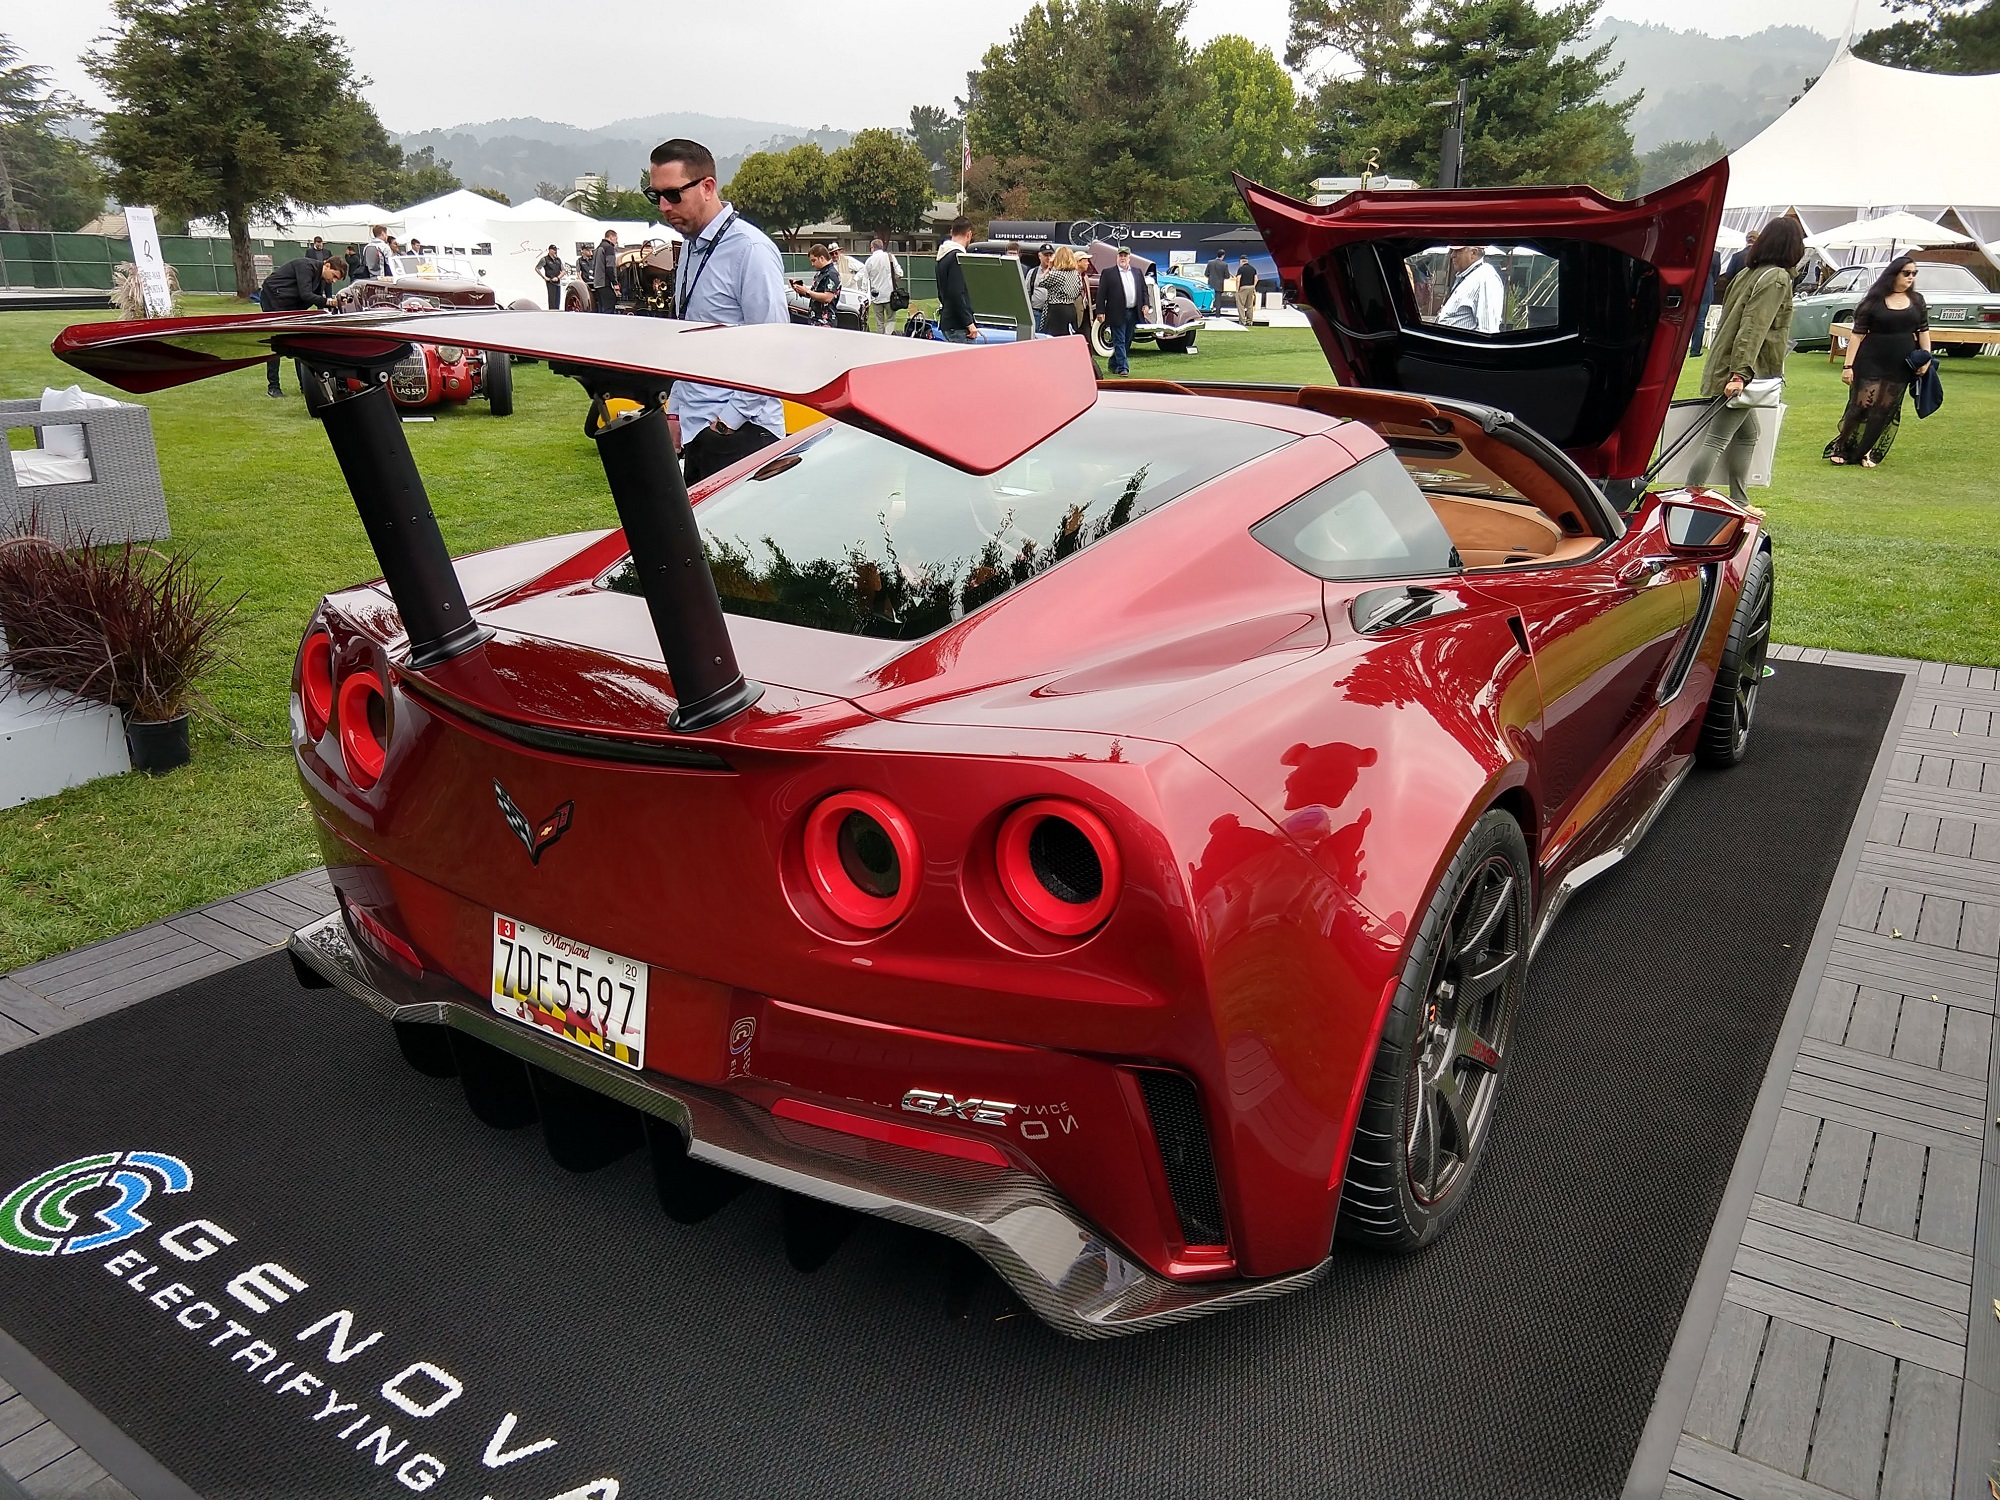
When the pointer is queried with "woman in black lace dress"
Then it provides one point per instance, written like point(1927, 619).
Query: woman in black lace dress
point(1890, 322)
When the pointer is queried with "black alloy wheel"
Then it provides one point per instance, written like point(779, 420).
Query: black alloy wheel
point(1732, 703)
point(1435, 1085)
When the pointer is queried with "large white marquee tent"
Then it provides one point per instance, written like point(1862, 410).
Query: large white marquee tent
point(1867, 140)
point(463, 223)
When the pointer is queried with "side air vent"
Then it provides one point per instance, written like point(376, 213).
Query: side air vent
point(1175, 1110)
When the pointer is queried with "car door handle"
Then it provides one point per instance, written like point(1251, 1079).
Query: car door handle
point(1641, 572)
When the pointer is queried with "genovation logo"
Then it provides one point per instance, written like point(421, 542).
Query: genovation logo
point(36, 1218)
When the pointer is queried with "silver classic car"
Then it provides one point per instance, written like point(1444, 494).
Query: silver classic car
point(1956, 298)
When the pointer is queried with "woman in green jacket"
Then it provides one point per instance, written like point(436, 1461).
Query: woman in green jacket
point(1750, 344)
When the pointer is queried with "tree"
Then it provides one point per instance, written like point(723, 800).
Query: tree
point(783, 191)
point(1096, 107)
point(1363, 35)
point(416, 177)
point(881, 182)
point(494, 193)
point(1253, 116)
point(233, 108)
point(47, 181)
point(1670, 161)
point(603, 201)
point(1937, 36)
point(1538, 112)
point(553, 192)
point(937, 134)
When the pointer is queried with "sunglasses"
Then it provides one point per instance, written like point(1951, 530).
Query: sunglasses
point(657, 196)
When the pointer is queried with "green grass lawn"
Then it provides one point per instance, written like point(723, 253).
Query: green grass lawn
point(1901, 560)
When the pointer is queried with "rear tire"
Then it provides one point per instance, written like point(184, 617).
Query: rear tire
point(1435, 1085)
point(1100, 339)
point(1732, 703)
point(499, 383)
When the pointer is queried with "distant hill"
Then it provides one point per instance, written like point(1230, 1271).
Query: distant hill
point(1697, 85)
point(513, 155)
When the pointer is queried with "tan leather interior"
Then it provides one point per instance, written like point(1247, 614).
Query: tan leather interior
point(1488, 533)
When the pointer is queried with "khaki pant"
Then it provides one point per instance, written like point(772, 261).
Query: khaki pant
point(1246, 304)
point(881, 317)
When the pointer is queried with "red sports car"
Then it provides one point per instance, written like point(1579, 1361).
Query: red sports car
point(1106, 825)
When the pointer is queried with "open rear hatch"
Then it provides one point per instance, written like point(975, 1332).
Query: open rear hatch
point(1599, 300)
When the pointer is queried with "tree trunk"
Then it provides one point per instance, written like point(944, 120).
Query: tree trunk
point(7, 206)
point(239, 251)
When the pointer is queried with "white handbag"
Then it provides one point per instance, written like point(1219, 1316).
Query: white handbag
point(1767, 392)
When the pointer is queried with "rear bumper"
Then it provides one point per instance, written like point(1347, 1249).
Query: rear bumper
point(1059, 1264)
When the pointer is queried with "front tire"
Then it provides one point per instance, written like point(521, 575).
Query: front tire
point(1100, 339)
point(499, 381)
point(1732, 703)
point(1435, 1084)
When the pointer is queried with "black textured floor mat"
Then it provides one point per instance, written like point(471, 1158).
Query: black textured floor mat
point(471, 1300)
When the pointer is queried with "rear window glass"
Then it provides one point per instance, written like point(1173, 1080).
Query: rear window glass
point(1369, 522)
point(854, 533)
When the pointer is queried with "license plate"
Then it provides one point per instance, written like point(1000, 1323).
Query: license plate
point(1951, 314)
point(589, 997)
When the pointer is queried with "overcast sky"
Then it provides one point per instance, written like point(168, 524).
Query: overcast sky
point(797, 62)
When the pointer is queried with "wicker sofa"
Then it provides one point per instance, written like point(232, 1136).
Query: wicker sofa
point(121, 500)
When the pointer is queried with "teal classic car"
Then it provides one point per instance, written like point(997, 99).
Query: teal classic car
point(1956, 297)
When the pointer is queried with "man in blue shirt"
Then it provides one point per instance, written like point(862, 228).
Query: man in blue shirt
point(730, 272)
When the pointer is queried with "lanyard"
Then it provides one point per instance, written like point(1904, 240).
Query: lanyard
point(707, 252)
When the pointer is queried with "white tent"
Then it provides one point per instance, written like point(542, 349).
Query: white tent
point(341, 225)
point(464, 223)
point(1891, 232)
point(1866, 140)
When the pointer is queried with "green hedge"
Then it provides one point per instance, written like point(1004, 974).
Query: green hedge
point(84, 262)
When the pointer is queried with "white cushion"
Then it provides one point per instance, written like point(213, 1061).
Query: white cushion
point(40, 466)
point(69, 442)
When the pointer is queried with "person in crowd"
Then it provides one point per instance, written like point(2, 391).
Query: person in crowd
point(604, 273)
point(1246, 292)
point(1217, 271)
point(375, 254)
point(883, 272)
point(1061, 290)
point(352, 260)
point(1086, 297)
point(1038, 297)
point(954, 313)
point(823, 293)
point(294, 287)
point(317, 250)
point(1891, 323)
point(730, 272)
point(1125, 298)
point(416, 246)
point(1477, 300)
point(550, 269)
point(1750, 344)
point(395, 247)
point(1704, 303)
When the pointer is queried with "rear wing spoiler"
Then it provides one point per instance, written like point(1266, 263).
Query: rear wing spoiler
point(977, 414)
point(976, 409)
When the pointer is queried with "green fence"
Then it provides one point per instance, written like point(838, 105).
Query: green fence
point(84, 262)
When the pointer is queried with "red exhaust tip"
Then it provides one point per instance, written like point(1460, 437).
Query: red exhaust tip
point(861, 855)
point(364, 728)
point(316, 682)
point(1059, 865)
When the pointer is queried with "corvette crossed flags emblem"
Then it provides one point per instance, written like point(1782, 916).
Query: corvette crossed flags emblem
point(534, 837)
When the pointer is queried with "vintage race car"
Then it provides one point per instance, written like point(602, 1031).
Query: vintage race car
point(1955, 296)
point(1110, 830)
point(430, 374)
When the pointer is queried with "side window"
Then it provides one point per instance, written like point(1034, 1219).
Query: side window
point(1370, 522)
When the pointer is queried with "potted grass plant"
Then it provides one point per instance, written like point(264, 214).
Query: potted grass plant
point(125, 625)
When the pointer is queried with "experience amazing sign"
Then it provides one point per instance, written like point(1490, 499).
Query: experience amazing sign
point(356, 1391)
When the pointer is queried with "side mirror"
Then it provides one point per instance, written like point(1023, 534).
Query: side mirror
point(1693, 531)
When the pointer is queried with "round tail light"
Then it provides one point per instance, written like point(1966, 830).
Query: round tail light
point(364, 728)
point(1059, 866)
point(861, 854)
point(316, 682)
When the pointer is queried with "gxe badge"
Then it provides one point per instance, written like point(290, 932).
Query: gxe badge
point(945, 1107)
point(533, 839)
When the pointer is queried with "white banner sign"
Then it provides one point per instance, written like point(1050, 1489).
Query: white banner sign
point(145, 236)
